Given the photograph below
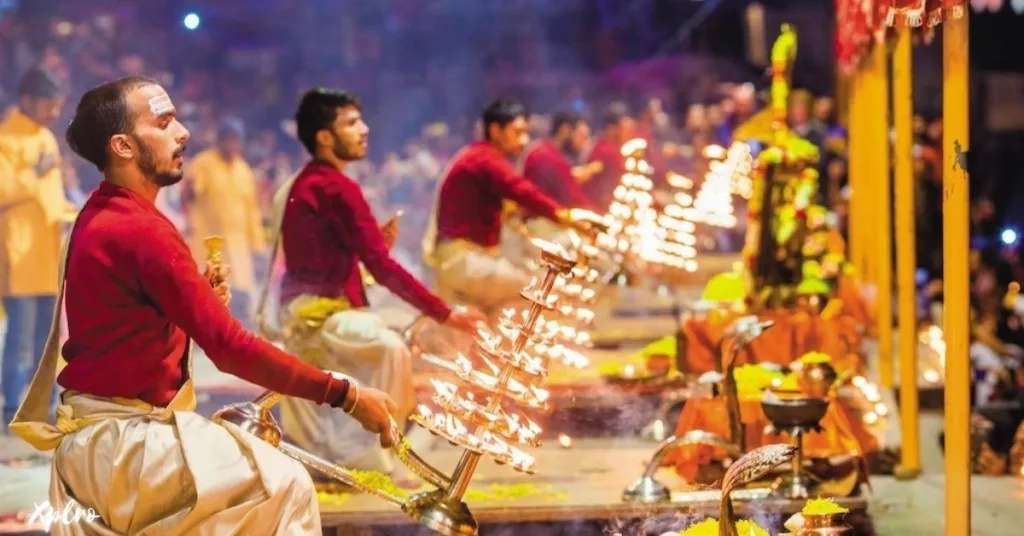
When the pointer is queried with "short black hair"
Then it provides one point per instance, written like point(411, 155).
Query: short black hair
point(41, 82)
point(501, 112)
point(614, 114)
point(101, 114)
point(560, 119)
point(318, 108)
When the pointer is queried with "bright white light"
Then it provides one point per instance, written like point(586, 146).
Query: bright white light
point(191, 21)
point(1009, 237)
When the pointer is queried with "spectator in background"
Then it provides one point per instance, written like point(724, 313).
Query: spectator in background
point(222, 200)
point(33, 208)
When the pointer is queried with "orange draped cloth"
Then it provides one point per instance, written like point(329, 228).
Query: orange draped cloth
point(793, 335)
point(841, 435)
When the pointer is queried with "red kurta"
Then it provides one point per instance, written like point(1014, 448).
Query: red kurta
point(600, 188)
point(328, 229)
point(546, 167)
point(470, 200)
point(133, 298)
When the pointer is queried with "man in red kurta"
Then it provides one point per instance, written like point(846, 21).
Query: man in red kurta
point(463, 238)
point(128, 442)
point(327, 230)
point(546, 163)
point(617, 129)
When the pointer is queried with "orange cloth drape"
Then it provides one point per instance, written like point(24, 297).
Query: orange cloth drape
point(793, 335)
point(841, 435)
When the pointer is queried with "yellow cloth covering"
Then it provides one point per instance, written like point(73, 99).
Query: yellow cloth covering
point(153, 471)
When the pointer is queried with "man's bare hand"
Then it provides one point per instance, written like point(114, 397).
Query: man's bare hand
point(466, 319)
point(374, 410)
point(390, 230)
point(584, 172)
point(218, 279)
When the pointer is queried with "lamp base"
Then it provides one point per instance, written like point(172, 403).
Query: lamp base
point(647, 490)
point(794, 486)
point(441, 514)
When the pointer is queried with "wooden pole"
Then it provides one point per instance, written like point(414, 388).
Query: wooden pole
point(955, 277)
point(903, 162)
point(881, 217)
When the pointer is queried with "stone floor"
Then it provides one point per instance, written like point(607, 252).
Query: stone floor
point(898, 508)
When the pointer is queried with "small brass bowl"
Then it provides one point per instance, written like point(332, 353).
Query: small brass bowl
point(816, 379)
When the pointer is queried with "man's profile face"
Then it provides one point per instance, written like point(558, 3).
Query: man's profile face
point(580, 137)
point(512, 138)
point(158, 138)
point(351, 134)
point(626, 130)
point(43, 111)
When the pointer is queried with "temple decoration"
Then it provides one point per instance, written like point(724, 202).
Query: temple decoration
point(860, 25)
point(922, 13)
point(785, 229)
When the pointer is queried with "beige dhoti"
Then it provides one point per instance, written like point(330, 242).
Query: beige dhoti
point(472, 275)
point(157, 471)
point(169, 471)
point(359, 344)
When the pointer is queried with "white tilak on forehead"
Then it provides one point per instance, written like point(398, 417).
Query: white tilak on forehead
point(160, 105)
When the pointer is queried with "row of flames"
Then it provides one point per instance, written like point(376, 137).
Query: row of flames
point(668, 238)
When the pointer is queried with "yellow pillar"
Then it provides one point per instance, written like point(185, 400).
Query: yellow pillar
point(842, 101)
point(855, 174)
point(882, 217)
point(955, 277)
point(903, 163)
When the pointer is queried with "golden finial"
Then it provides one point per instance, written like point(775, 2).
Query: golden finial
point(215, 255)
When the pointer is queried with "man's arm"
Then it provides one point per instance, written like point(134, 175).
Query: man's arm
point(172, 280)
point(565, 181)
point(517, 188)
point(352, 216)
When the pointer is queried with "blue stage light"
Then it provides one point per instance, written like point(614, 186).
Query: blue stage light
point(191, 21)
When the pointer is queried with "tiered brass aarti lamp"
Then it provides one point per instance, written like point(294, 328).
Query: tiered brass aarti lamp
point(513, 375)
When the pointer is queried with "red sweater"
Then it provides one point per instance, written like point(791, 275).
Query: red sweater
point(471, 196)
point(551, 171)
point(600, 189)
point(328, 229)
point(134, 297)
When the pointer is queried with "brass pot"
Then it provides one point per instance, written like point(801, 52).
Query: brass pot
point(823, 525)
point(816, 379)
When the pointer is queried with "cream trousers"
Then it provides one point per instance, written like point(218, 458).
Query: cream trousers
point(359, 344)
